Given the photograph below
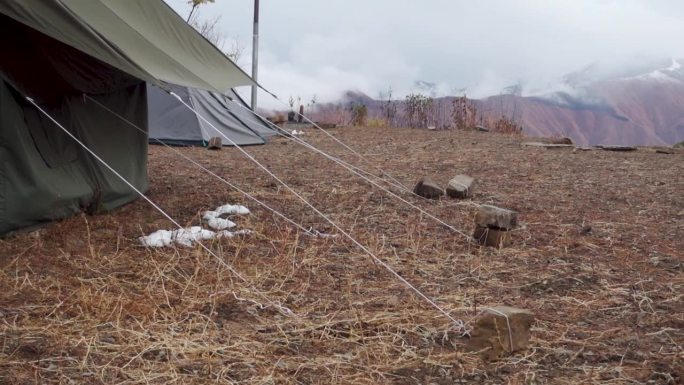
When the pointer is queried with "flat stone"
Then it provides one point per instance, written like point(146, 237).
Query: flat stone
point(492, 237)
point(547, 145)
point(564, 140)
point(668, 151)
point(427, 188)
point(495, 217)
point(215, 143)
point(482, 128)
point(501, 330)
point(617, 148)
point(460, 187)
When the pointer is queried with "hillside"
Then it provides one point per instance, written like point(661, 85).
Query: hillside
point(644, 106)
point(597, 258)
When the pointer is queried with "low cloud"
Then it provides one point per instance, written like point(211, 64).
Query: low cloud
point(326, 48)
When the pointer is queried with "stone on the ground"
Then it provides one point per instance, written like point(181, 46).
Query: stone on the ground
point(665, 150)
point(496, 217)
point(546, 145)
point(564, 140)
point(427, 188)
point(498, 238)
point(460, 186)
point(501, 330)
point(618, 148)
point(482, 128)
point(215, 143)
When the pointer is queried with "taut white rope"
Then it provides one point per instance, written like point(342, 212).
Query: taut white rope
point(201, 167)
point(358, 171)
point(348, 147)
point(458, 324)
point(284, 310)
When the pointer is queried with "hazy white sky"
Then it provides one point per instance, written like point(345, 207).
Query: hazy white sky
point(326, 47)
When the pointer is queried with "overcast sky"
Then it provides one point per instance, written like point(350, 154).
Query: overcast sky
point(326, 47)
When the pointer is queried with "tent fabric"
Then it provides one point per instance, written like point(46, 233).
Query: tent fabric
point(143, 38)
point(172, 122)
point(50, 177)
point(44, 174)
point(245, 114)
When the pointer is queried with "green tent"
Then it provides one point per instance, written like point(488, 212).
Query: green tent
point(60, 51)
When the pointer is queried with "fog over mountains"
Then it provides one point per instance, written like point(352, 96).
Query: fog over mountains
point(642, 105)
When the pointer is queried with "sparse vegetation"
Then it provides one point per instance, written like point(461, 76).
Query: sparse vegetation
point(359, 114)
point(464, 114)
point(418, 110)
point(83, 303)
point(389, 108)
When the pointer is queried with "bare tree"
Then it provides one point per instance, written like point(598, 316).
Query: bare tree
point(195, 5)
point(210, 29)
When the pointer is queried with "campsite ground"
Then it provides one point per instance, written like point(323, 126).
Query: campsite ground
point(599, 259)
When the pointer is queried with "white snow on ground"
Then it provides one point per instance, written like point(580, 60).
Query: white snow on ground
point(215, 221)
point(220, 223)
point(191, 235)
point(297, 133)
point(185, 237)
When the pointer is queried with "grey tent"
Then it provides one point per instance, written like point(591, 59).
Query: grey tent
point(171, 122)
point(62, 53)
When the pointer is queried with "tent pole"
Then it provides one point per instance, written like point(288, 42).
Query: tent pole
point(255, 53)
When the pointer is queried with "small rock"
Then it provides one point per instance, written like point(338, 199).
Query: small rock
point(482, 128)
point(498, 238)
point(617, 148)
point(427, 188)
point(501, 330)
point(585, 230)
point(215, 143)
point(495, 217)
point(460, 186)
point(546, 145)
point(561, 141)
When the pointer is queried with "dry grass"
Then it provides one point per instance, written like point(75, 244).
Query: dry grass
point(599, 259)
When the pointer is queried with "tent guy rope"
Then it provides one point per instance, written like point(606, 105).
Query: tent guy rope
point(203, 168)
point(457, 324)
point(359, 172)
point(282, 309)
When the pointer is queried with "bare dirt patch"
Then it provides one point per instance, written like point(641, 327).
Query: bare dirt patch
point(598, 259)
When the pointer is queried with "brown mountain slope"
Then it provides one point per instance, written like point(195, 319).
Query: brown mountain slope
point(637, 111)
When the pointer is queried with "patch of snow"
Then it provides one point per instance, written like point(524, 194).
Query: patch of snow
point(160, 238)
point(233, 209)
point(214, 220)
point(658, 75)
point(191, 235)
point(220, 223)
point(187, 237)
point(675, 66)
point(297, 133)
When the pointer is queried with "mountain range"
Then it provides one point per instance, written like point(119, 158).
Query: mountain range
point(639, 106)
